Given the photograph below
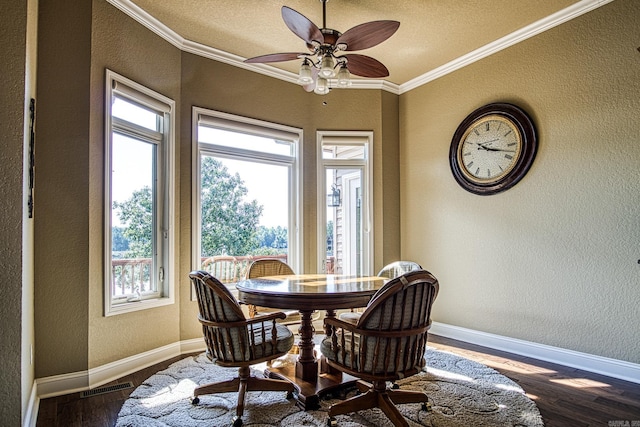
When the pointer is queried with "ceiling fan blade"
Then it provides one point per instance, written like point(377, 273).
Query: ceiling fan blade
point(274, 57)
point(365, 66)
point(367, 35)
point(301, 26)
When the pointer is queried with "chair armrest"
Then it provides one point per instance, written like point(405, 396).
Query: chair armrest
point(267, 316)
point(337, 323)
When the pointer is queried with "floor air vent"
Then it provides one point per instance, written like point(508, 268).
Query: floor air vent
point(106, 389)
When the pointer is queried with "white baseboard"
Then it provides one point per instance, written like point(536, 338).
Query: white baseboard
point(587, 362)
point(58, 385)
point(31, 413)
point(192, 346)
point(118, 369)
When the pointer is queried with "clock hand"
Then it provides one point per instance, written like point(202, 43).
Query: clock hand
point(482, 144)
point(498, 149)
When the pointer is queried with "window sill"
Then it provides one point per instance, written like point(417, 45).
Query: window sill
point(129, 307)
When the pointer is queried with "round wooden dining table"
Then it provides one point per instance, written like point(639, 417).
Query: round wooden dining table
point(308, 293)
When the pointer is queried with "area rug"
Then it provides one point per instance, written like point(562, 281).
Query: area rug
point(463, 393)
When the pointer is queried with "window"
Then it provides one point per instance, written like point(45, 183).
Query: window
point(139, 199)
point(246, 193)
point(345, 235)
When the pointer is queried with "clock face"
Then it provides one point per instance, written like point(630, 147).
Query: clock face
point(493, 148)
point(489, 149)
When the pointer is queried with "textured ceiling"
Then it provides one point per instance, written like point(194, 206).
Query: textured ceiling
point(432, 33)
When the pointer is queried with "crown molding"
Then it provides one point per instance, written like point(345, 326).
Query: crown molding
point(540, 26)
point(142, 17)
point(551, 21)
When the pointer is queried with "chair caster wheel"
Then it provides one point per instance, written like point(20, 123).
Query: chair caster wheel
point(195, 400)
point(331, 422)
point(395, 386)
point(237, 421)
point(289, 395)
point(426, 406)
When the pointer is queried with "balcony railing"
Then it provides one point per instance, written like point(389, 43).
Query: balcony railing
point(132, 276)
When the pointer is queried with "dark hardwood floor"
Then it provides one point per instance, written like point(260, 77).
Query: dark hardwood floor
point(566, 397)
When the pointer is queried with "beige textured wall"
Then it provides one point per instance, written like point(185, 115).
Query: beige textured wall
point(387, 204)
point(553, 260)
point(62, 176)
point(13, 35)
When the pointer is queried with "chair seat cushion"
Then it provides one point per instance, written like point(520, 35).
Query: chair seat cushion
point(350, 317)
point(284, 340)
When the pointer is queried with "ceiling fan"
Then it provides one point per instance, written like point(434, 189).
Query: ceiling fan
point(326, 46)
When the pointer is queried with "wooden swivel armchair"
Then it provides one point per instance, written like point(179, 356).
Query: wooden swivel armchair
point(268, 267)
point(233, 340)
point(386, 344)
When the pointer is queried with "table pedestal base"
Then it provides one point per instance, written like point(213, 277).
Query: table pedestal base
point(308, 393)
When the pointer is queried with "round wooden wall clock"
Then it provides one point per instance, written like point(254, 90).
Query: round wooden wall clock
point(493, 148)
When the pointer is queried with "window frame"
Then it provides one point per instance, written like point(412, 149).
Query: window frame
point(240, 124)
point(163, 262)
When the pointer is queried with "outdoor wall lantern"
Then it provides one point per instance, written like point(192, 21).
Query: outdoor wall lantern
point(334, 197)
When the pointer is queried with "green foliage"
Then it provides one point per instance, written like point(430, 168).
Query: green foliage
point(119, 242)
point(136, 214)
point(274, 237)
point(229, 224)
point(267, 251)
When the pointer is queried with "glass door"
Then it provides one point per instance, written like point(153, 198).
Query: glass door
point(343, 222)
point(344, 214)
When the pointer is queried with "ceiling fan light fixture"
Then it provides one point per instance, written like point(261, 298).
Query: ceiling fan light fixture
point(327, 66)
point(344, 77)
point(322, 86)
point(304, 76)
